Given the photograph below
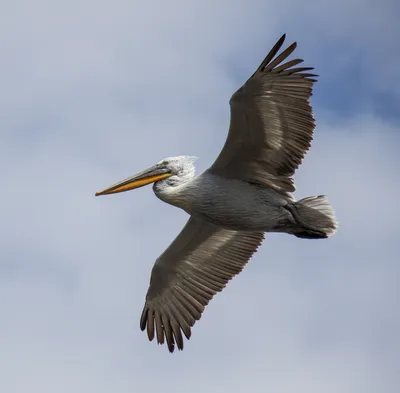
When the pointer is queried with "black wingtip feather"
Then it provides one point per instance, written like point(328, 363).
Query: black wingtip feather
point(285, 54)
point(271, 54)
point(269, 64)
point(143, 319)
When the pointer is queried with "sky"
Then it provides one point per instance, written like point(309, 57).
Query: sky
point(93, 92)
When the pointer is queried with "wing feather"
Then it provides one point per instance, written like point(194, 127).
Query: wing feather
point(272, 124)
point(197, 265)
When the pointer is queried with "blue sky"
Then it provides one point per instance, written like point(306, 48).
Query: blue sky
point(93, 92)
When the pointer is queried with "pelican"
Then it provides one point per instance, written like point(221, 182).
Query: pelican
point(244, 194)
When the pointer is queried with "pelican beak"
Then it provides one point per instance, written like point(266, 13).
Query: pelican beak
point(151, 175)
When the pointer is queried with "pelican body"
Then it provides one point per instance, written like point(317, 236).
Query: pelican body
point(247, 192)
point(227, 203)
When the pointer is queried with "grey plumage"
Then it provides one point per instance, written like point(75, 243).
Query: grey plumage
point(271, 124)
point(197, 265)
point(244, 194)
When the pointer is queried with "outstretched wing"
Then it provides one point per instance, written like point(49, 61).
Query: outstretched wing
point(198, 264)
point(271, 125)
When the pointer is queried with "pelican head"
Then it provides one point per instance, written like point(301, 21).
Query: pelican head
point(169, 172)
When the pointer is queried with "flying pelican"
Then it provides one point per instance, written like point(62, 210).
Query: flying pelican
point(245, 193)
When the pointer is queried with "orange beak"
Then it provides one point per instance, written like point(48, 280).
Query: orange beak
point(151, 175)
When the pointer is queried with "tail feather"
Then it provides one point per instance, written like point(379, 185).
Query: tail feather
point(315, 218)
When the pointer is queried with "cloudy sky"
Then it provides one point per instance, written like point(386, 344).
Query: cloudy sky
point(94, 91)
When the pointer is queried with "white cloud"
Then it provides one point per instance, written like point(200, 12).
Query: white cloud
point(93, 92)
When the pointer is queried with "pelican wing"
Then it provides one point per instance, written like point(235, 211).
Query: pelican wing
point(271, 125)
point(198, 264)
